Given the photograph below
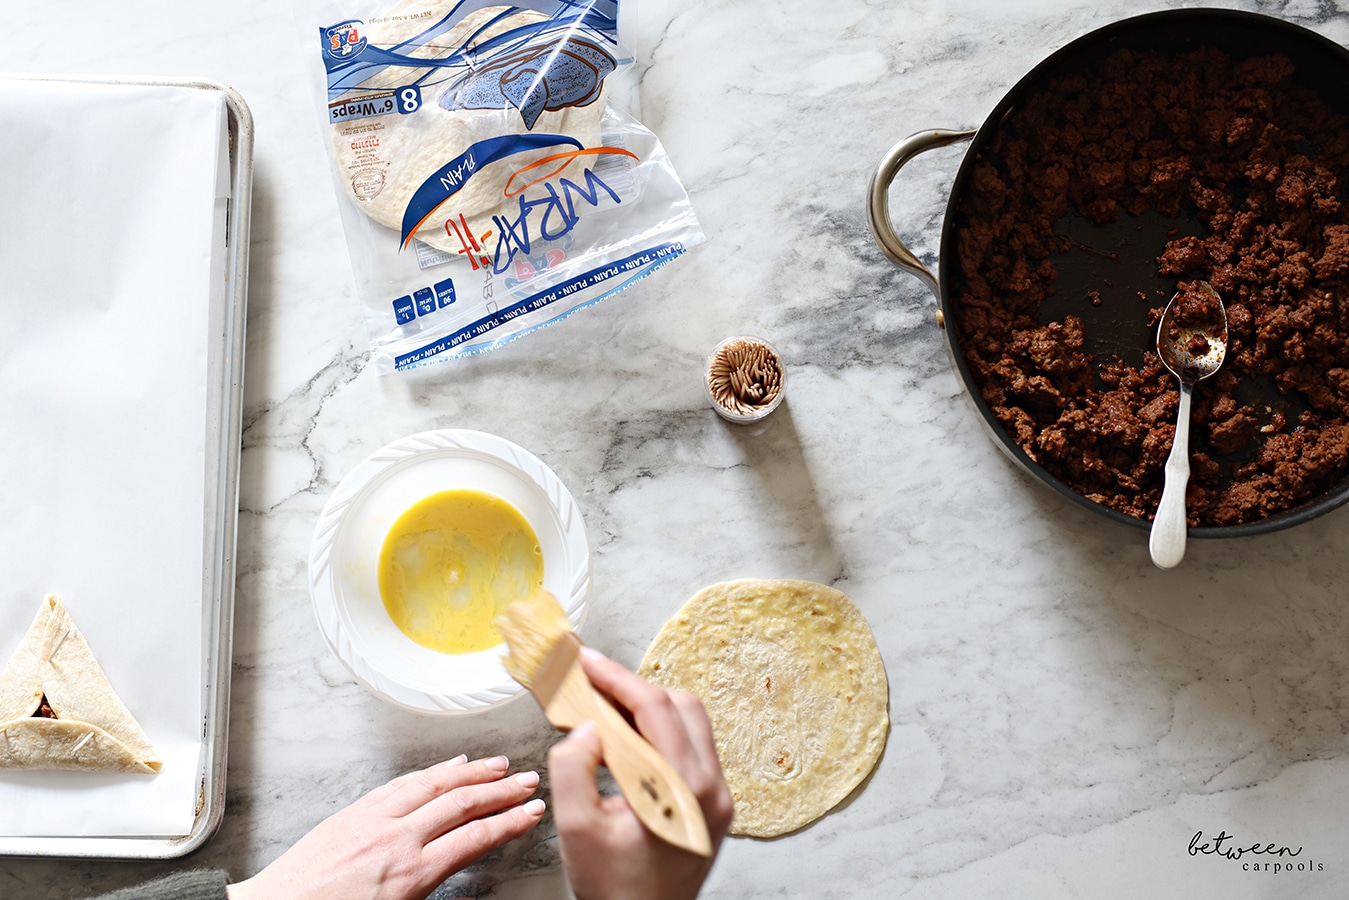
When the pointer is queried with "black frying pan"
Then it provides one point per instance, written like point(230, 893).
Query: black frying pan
point(1122, 254)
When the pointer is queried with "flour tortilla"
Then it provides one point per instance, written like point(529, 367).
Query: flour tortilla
point(796, 690)
point(93, 730)
point(382, 160)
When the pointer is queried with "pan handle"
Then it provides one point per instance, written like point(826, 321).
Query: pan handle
point(878, 199)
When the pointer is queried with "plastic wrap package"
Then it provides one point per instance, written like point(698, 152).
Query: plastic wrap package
point(491, 174)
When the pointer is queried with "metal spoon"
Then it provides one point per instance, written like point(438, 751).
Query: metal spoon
point(1192, 348)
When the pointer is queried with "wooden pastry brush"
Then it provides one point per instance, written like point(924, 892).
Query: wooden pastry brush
point(545, 657)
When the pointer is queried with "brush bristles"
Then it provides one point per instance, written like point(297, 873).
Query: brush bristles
point(531, 628)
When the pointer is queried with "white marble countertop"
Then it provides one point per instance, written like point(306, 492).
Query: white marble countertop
point(1065, 717)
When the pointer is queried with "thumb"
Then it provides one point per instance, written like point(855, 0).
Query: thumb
point(572, 763)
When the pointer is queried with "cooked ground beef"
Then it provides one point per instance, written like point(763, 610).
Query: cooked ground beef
point(1261, 164)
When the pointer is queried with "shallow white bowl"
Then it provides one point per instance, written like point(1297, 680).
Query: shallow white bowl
point(344, 560)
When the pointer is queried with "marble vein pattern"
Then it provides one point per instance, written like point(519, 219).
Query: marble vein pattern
point(1067, 720)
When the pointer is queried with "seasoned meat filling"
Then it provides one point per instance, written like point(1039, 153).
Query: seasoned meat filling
point(1262, 165)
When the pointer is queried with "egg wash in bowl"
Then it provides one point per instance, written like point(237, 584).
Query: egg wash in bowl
point(453, 562)
point(414, 477)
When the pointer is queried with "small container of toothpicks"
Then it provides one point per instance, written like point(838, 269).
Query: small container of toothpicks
point(745, 379)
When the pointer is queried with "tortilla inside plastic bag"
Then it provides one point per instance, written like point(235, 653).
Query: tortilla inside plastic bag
point(489, 182)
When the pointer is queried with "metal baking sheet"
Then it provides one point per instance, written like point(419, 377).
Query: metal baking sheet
point(224, 391)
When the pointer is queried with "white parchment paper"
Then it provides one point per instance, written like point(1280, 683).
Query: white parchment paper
point(107, 229)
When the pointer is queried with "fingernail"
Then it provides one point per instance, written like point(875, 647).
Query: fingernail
point(534, 807)
point(528, 779)
point(457, 761)
point(585, 729)
point(500, 763)
point(590, 652)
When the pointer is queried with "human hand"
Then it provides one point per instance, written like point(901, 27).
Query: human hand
point(607, 852)
point(402, 839)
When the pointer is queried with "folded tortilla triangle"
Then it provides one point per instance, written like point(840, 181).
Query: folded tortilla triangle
point(93, 730)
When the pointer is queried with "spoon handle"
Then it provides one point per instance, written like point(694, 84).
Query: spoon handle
point(1167, 540)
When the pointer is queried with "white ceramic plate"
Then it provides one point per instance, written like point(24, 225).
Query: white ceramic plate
point(344, 558)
